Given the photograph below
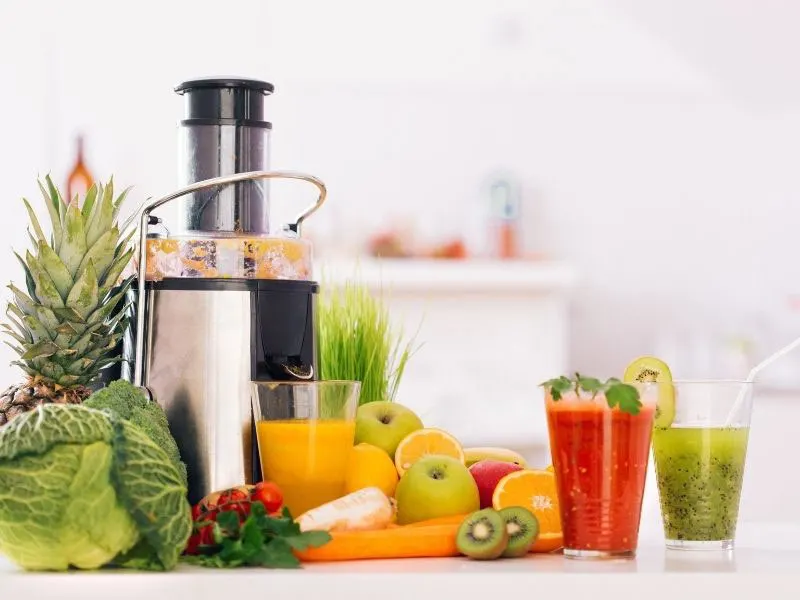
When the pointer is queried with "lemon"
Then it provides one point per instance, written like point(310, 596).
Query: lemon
point(370, 466)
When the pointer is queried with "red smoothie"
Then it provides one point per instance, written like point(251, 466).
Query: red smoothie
point(600, 460)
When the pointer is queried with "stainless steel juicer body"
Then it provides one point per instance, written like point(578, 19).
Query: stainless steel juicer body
point(206, 340)
point(200, 342)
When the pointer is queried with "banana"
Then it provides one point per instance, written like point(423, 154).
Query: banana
point(473, 455)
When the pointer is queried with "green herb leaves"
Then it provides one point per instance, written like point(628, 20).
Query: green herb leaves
point(259, 541)
point(622, 395)
point(558, 386)
point(617, 394)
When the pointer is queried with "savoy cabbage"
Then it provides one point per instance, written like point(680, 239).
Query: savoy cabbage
point(84, 488)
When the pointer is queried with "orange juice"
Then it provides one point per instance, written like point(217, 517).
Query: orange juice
point(306, 458)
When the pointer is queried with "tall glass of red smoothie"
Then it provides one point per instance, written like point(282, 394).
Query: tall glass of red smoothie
point(600, 445)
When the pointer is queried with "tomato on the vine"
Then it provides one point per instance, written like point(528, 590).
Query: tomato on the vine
point(269, 495)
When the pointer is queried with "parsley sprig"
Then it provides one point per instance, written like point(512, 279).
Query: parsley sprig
point(617, 393)
point(260, 541)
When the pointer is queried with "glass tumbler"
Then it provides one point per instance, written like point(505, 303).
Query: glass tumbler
point(699, 451)
point(305, 431)
point(600, 456)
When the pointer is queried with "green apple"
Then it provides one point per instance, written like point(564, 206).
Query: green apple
point(435, 486)
point(385, 424)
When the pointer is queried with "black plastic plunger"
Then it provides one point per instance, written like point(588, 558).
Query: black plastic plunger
point(224, 131)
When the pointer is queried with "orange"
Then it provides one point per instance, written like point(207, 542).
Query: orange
point(424, 442)
point(536, 491)
point(550, 469)
point(370, 466)
point(548, 542)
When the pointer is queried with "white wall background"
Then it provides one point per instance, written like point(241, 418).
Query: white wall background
point(657, 141)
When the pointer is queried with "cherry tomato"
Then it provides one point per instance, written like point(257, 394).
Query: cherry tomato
point(241, 508)
point(231, 495)
point(197, 512)
point(207, 536)
point(202, 536)
point(211, 515)
point(193, 544)
point(269, 495)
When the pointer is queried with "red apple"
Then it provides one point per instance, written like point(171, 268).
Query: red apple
point(487, 474)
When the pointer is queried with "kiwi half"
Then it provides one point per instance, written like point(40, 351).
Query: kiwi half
point(522, 527)
point(650, 369)
point(482, 535)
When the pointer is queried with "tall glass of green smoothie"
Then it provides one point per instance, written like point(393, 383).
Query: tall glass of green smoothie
point(699, 447)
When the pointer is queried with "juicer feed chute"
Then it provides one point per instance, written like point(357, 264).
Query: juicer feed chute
point(224, 132)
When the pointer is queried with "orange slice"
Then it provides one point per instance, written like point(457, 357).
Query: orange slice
point(548, 542)
point(536, 491)
point(424, 442)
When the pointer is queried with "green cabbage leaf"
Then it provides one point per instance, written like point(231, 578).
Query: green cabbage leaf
point(83, 488)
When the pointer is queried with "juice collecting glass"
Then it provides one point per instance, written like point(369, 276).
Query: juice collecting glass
point(600, 456)
point(699, 457)
point(305, 431)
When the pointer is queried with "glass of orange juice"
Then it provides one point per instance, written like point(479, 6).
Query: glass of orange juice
point(305, 431)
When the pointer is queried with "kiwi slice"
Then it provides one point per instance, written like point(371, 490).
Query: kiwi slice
point(482, 535)
point(649, 369)
point(522, 527)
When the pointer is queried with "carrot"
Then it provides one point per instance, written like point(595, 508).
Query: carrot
point(455, 519)
point(395, 542)
point(451, 520)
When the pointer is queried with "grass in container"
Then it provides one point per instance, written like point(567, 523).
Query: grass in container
point(358, 342)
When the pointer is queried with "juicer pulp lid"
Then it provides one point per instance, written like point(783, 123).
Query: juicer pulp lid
point(226, 82)
point(219, 101)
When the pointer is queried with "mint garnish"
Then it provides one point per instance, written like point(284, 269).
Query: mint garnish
point(618, 394)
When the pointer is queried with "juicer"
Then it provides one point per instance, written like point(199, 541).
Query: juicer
point(225, 299)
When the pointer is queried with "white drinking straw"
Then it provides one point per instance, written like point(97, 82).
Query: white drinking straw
point(754, 372)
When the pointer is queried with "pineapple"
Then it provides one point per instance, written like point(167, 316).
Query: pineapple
point(73, 316)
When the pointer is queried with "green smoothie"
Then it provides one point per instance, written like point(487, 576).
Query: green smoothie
point(699, 473)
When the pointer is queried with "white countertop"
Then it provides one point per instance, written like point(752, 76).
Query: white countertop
point(766, 564)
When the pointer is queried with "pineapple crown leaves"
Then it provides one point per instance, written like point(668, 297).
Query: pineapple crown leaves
point(73, 313)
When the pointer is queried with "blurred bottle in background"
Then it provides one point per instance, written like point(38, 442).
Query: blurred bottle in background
point(504, 214)
point(80, 179)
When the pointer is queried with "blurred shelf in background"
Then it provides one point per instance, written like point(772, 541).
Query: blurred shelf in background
point(452, 276)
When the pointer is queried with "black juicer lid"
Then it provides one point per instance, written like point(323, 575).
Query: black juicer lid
point(225, 101)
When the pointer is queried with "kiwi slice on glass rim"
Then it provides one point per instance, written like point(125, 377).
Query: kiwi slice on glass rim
point(647, 369)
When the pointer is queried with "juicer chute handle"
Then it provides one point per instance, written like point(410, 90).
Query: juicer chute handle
point(144, 221)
